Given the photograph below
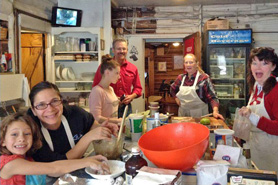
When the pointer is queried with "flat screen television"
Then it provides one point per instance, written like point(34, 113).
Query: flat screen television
point(66, 17)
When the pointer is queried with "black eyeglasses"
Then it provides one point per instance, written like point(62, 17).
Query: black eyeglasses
point(53, 103)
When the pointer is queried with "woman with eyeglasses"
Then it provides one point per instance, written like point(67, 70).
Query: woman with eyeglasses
point(103, 101)
point(67, 130)
point(193, 91)
point(262, 108)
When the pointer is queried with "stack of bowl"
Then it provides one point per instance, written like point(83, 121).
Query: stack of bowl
point(154, 106)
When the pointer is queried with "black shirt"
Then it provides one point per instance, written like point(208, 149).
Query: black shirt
point(80, 122)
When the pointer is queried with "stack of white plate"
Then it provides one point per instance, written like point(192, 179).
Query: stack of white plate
point(71, 74)
point(59, 72)
point(65, 73)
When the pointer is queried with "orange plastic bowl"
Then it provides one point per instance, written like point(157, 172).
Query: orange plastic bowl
point(176, 146)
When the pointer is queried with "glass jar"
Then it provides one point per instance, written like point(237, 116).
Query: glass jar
point(109, 148)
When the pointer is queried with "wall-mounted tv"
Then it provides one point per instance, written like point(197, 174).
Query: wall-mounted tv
point(66, 17)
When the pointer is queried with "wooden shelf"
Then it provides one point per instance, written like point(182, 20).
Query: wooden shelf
point(4, 41)
point(76, 62)
point(73, 91)
point(78, 81)
point(6, 73)
point(228, 78)
point(76, 52)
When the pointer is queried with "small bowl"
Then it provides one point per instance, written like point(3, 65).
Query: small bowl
point(153, 104)
point(88, 76)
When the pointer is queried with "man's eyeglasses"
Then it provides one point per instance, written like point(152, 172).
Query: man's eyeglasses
point(53, 103)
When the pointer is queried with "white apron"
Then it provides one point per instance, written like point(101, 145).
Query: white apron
point(47, 137)
point(191, 104)
point(264, 147)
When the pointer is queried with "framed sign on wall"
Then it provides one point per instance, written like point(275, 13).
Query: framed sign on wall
point(178, 62)
point(162, 67)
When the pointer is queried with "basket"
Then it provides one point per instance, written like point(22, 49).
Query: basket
point(3, 33)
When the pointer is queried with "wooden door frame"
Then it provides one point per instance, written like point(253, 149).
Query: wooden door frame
point(42, 54)
point(17, 31)
point(197, 46)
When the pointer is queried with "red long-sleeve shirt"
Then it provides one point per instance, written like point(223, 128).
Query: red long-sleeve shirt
point(270, 126)
point(129, 77)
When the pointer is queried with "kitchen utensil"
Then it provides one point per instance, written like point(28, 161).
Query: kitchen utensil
point(13, 109)
point(175, 146)
point(207, 115)
point(122, 125)
point(116, 168)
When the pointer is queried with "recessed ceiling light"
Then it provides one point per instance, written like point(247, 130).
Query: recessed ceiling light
point(176, 44)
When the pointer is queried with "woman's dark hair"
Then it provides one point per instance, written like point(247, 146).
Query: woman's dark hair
point(267, 54)
point(42, 86)
point(20, 116)
point(108, 63)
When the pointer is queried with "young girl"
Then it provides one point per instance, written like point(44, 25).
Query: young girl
point(103, 101)
point(18, 140)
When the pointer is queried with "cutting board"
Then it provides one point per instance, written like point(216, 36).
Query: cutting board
point(214, 123)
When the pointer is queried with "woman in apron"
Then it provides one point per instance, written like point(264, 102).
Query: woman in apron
point(103, 101)
point(262, 109)
point(67, 130)
point(194, 90)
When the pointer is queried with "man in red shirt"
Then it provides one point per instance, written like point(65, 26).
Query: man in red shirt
point(129, 82)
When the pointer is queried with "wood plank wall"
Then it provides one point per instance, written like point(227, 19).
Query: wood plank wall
point(170, 74)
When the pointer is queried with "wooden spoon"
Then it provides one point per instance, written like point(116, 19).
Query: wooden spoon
point(122, 125)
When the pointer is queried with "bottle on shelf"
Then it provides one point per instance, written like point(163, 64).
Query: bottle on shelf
point(236, 91)
point(87, 42)
point(241, 93)
point(82, 45)
point(4, 62)
point(135, 162)
point(156, 120)
point(247, 154)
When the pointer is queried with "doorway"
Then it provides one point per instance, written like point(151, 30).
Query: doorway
point(163, 64)
point(32, 56)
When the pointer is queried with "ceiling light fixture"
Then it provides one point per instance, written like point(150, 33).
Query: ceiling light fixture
point(176, 44)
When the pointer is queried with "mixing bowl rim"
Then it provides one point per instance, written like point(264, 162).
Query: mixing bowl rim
point(205, 138)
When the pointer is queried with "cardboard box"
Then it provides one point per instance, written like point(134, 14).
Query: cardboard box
point(216, 24)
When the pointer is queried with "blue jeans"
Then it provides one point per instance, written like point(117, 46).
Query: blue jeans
point(122, 108)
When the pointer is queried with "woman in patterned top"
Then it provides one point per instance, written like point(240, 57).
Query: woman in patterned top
point(193, 91)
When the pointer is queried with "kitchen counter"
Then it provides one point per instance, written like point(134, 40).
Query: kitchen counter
point(188, 177)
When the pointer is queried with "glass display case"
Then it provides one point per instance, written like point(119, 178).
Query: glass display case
point(227, 53)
